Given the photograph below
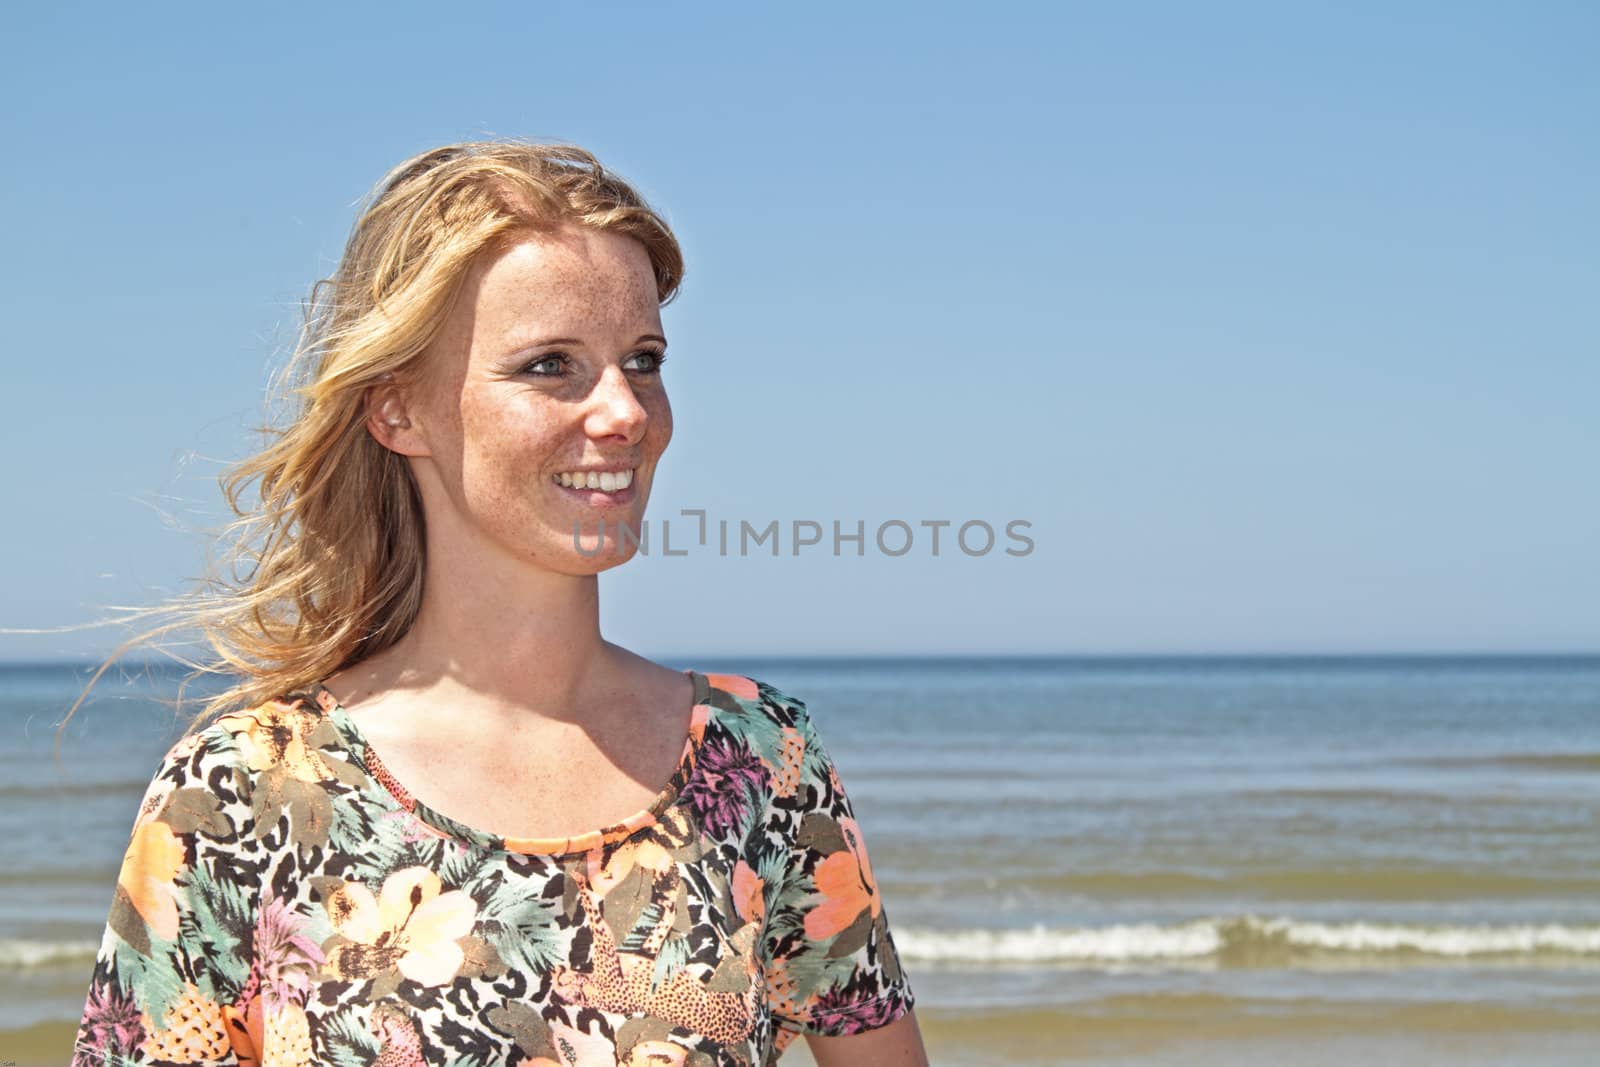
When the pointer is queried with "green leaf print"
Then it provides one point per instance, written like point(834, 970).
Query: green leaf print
point(153, 978)
point(220, 917)
point(347, 1041)
point(771, 862)
point(353, 824)
point(520, 925)
point(672, 958)
point(763, 735)
point(643, 928)
point(467, 868)
point(817, 970)
point(816, 763)
point(380, 845)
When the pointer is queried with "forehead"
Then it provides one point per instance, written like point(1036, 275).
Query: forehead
point(570, 279)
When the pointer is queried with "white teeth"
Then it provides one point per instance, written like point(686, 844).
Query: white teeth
point(606, 481)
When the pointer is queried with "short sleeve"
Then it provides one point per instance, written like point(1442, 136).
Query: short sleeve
point(177, 941)
point(829, 958)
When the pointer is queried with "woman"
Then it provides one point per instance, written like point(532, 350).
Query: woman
point(430, 826)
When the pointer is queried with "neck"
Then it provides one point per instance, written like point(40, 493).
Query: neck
point(500, 637)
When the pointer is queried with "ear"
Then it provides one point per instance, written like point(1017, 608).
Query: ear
point(388, 418)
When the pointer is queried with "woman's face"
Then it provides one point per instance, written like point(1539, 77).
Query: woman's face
point(547, 367)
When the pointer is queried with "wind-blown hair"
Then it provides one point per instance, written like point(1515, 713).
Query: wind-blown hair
point(324, 561)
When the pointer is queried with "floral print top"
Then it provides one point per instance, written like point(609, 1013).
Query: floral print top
point(284, 902)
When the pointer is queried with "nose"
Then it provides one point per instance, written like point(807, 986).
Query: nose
point(613, 409)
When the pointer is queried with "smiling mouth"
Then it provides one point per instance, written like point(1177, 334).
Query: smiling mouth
point(605, 481)
point(603, 489)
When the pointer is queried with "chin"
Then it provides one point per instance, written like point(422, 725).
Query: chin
point(592, 558)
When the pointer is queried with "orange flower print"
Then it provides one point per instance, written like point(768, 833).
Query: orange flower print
point(845, 881)
point(152, 863)
point(411, 925)
point(739, 686)
point(748, 900)
point(274, 735)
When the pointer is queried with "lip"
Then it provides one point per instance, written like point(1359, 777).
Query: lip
point(599, 498)
point(599, 470)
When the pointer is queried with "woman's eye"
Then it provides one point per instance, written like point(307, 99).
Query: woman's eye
point(558, 361)
point(653, 360)
point(555, 364)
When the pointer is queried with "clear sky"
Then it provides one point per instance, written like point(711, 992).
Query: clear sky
point(1276, 322)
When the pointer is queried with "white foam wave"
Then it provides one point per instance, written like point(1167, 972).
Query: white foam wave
point(1197, 939)
point(22, 954)
point(1245, 936)
point(1041, 944)
point(1439, 940)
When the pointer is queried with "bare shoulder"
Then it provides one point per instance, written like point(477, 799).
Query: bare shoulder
point(364, 684)
point(652, 684)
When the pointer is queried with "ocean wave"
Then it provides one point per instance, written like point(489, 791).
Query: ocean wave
point(1284, 884)
point(47, 879)
point(23, 954)
point(1249, 940)
point(1549, 761)
point(68, 790)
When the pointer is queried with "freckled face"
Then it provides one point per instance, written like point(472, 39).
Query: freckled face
point(548, 363)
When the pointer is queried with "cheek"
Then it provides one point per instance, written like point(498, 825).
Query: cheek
point(493, 430)
point(500, 450)
point(495, 440)
point(661, 421)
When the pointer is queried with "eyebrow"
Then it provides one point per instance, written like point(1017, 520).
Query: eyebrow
point(575, 341)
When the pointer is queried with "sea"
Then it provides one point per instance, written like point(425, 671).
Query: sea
point(1124, 860)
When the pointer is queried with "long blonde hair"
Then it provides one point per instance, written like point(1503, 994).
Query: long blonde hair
point(323, 565)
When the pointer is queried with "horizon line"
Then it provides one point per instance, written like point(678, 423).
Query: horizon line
point(137, 663)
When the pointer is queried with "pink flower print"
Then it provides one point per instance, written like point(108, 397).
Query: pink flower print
point(726, 781)
point(838, 1011)
point(112, 1027)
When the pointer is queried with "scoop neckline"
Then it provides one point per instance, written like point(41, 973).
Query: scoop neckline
point(395, 794)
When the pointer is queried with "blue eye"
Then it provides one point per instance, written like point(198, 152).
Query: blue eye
point(556, 358)
point(561, 360)
point(656, 359)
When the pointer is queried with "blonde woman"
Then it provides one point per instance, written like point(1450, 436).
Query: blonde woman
point(440, 819)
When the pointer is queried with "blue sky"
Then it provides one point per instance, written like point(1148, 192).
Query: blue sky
point(1275, 322)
